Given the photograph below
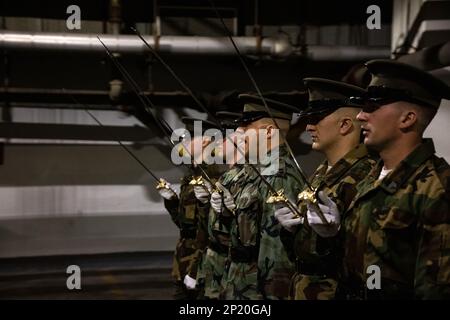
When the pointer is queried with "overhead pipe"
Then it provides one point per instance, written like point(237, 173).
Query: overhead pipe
point(347, 53)
point(96, 99)
point(434, 59)
point(114, 23)
point(130, 44)
point(430, 58)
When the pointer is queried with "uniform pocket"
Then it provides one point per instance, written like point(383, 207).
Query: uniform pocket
point(190, 211)
point(393, 217)
point(443, 276)
point(247, 200)
point(247, 218)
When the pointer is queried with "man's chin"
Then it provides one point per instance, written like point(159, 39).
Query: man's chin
point(315, 146)
point(371, 144)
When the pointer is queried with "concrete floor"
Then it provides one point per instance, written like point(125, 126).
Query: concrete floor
point(143, 275)
point(86, 235)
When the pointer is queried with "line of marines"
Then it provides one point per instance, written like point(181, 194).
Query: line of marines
point(372, 221)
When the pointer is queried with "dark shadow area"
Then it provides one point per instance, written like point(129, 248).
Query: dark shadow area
point(143, 275)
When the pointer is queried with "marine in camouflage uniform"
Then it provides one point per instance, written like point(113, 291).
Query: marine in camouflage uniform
point(400, 223)
point(189, 215)
point(214, 259)
point(184, 212)
point(317, 259)
point(259, 267)
point(214, 171)
point(213, 228)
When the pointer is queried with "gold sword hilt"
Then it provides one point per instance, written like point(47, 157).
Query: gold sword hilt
point(307, 195)
point(196, 181)
point(310, 196)
point(215, 189)
point(162, 184)
point(199, 181)
point(279, 197)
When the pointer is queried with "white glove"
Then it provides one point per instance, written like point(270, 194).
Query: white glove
point(203, 192)
point(216, 199)
point(287, 218)
point(331, 213)
point(228, 199)
point(189, 282)
point(167, 193)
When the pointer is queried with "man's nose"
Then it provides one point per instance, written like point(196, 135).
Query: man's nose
point(362, 116)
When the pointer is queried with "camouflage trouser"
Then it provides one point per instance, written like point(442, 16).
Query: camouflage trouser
point(210, 273)
point(240, 282)
point(312, 287)
point(183, 293)
point(183, 255)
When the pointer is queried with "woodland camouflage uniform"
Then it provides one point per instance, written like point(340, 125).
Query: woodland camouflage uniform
point(184, 213)
point(259, 267)
point(401, 224)
point(318, 259)
point(214, 258)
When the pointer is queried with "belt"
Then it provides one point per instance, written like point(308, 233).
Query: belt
point(218, 247)
point(318, 267)
point(188, 233)
point(245, 254)
point(351, 288)
point(356, 289)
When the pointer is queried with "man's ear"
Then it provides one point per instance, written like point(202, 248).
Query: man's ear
point(206, 141)
point(408, 119)
point(270, 131)
point(345, 126)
